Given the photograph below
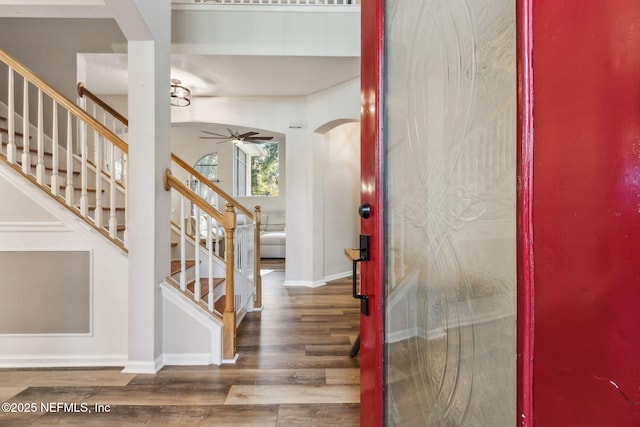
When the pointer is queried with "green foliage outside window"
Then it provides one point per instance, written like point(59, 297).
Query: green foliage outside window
point(265, 171)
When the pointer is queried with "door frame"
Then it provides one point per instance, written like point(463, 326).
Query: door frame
point(372, 192)
point(524, 214)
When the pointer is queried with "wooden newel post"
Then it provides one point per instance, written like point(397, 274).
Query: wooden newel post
point(258, 277)
point(229, 315)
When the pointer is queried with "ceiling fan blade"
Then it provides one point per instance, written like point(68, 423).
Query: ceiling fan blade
point(246, 135)
point(213, 133)
point(258, 138)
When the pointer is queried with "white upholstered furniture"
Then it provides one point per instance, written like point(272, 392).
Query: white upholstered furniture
point(272, 235)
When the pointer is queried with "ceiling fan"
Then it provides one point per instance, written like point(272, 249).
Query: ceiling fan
point(237, 136)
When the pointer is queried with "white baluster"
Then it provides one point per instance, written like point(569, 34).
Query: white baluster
point(210, 250)
point(69, 190)
point(218, 237)
point(40, 162)
point(26, 160)
point(98, 147)
point(123, 180)
point(55, 183)
point(11, 117)
point(183, 240)
point(113, 223)
point(95, 145)
point(196, 286)
point(84, 199)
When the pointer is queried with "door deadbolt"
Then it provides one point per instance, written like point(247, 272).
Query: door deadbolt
point(364, 210)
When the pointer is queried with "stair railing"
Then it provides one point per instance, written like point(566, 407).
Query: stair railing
point(69, 153)
point(211, 234)
point(249, 296)
point(248, 253)
point(205, 231)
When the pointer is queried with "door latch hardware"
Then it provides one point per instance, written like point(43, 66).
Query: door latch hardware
point(365, 255)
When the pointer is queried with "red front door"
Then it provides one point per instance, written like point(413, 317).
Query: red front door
point(439, 169)
point(467, 163)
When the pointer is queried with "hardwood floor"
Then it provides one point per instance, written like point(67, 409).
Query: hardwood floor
point(294, 370)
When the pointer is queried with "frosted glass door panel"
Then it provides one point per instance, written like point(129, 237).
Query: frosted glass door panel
point(450, 333)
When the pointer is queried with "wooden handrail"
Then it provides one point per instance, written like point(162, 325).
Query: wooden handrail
point(63, 101)
point(211, 185)
point(83, 91)
point(171, 181)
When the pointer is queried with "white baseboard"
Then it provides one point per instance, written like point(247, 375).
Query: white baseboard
point(304, 283)
point(143, 366)
point(188, 359)
point(230, 361)
point(338, 276)
point(62, 361)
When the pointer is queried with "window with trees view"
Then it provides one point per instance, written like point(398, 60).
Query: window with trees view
point(256, 169)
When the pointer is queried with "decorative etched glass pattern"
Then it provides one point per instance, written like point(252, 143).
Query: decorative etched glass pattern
point(450, 135)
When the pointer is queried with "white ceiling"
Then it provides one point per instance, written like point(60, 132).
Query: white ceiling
point(232, 75)
point(205, 75)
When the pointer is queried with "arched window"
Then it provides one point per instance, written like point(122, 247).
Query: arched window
point(208, 166)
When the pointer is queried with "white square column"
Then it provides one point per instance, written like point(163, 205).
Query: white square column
point(147, 26)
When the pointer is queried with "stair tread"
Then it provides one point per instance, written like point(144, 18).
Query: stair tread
point(118, 208)
point(20, 134)
point(33, 150)
point(89, 190)
point(60, 171)
point(204, 285)
point(177, 265)
point(220, 303)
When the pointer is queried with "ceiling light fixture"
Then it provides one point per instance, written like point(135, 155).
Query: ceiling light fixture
point(180, 94)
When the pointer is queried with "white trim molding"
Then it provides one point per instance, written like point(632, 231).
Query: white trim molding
point(144, 366)
point(337, 276)
point(32, 226)
point(304, 283)
point(61, 360)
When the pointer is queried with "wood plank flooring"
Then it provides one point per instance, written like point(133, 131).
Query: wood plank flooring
point(294, 369)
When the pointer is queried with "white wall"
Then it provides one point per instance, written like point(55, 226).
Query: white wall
point(49, 46)
point(341, 197)
point(186, 142)
point(266, 30)
point(303, 171)
point(272, 114)
point(60, 230)
point(21, 208)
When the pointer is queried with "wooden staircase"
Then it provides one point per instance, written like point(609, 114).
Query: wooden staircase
point(81, 162)
point(67, 179)
point(218, 288)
